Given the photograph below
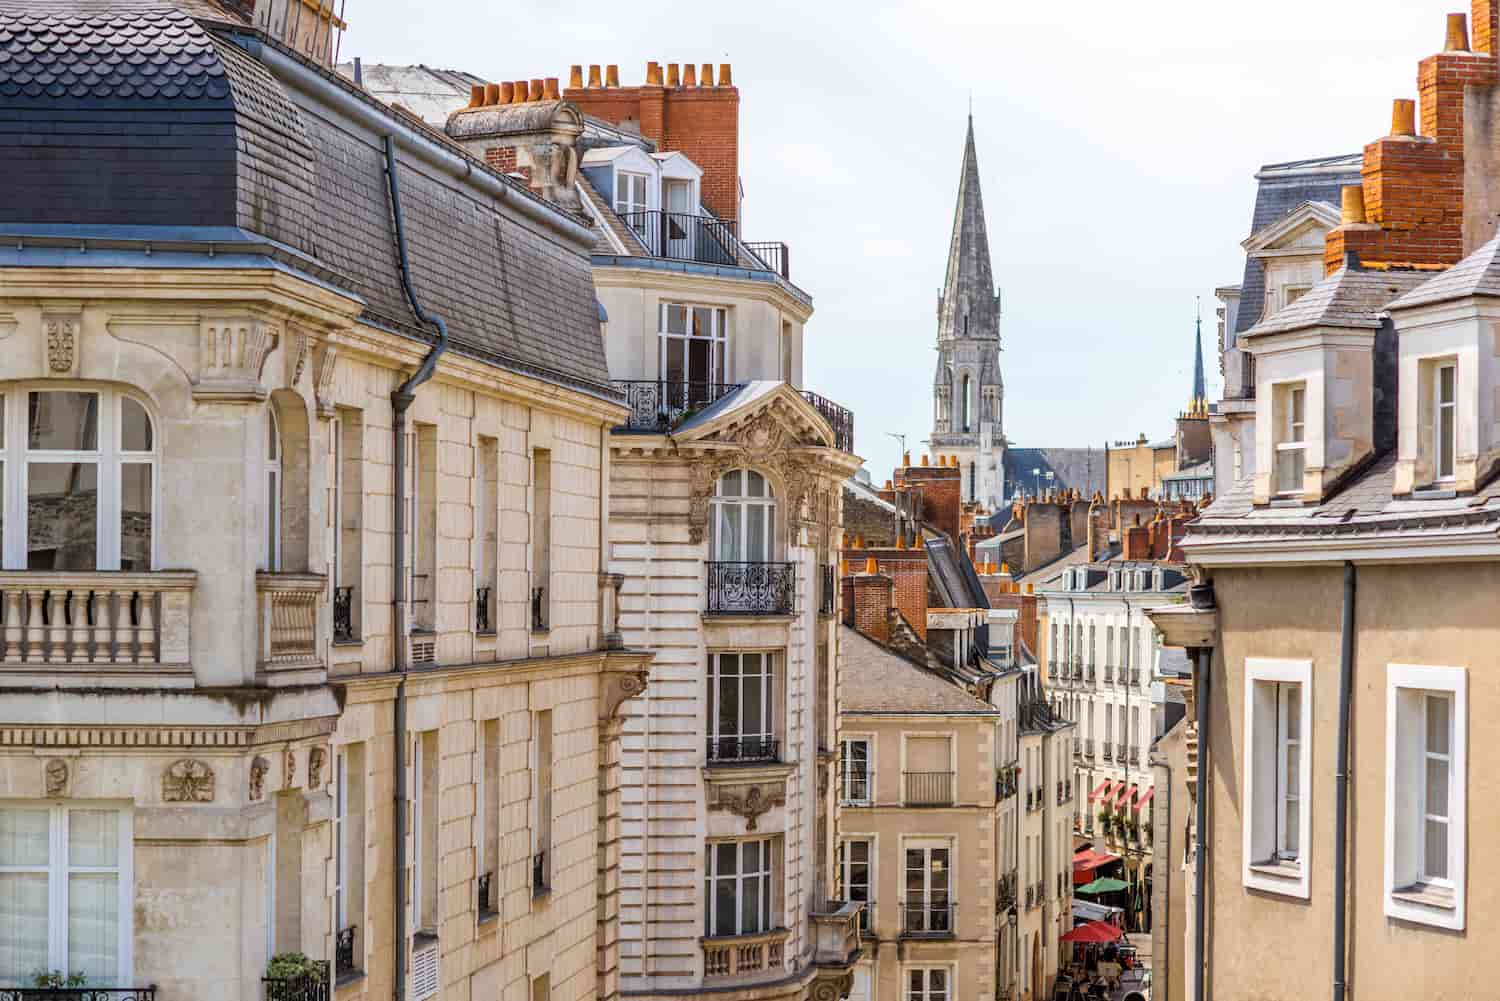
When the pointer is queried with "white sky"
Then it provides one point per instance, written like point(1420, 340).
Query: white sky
point(1117, 145)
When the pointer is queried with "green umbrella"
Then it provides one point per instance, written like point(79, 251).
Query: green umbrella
point(1104, 884)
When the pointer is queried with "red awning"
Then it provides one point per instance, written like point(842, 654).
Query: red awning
point(1124, 791)
point(1094, 931)
point(1102, 787)
point(1141, 803)
point(1090, 859)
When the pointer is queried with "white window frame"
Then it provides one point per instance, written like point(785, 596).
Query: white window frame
point(769, 691)
point(270, 551)
point(925, 970)
point(719, 370)
point(844, 771)
point(1438, 407)
point(843, 864)
point(769, 912)
point(1404, 786)
point(949, 891)
point(1291, 434)
point(1262, 870)
point(340, 848)
point(58, 870)
point(1286, 740)
point(629, 204)
point(763, 507)
point(108, 459)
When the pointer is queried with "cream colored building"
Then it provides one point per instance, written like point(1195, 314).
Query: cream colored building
point(262, 693)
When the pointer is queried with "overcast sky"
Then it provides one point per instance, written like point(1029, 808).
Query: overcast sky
point(1117, 145)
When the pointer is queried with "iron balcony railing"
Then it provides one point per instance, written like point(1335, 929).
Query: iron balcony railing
point(82, 993)
point(686, 236)
point(482, 622)
point(343, 614)
point(541, 881)
point(751, 588)
point(1005, 892)
point(928, 788)
point(1077, 745)
point(1109, 674)
point(743, 749)
point(661, 405)
point(1120, 751)
point(841, 419)
point(776, 256)
point(927, 917)
point(826, 589)
point(1109, 754)
point(1030, 897)
point(313, 987)
point(1088, 747)
point(343, 952)
point(486, 902)
point(538, 609)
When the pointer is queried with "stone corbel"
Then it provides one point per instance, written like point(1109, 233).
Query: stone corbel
point(614, 688)
point(298, 345)
point(748, 801)
point(232, 353)
point(325, 364)
point(831, 985)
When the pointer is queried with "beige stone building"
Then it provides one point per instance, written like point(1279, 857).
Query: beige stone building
point(308, 644)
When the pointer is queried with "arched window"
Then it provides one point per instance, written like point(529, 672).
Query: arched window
point(270, 551)
point(79, 468)
point(967, 401)
point(742, 519)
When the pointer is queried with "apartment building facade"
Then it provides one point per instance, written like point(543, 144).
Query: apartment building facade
point(309, 646)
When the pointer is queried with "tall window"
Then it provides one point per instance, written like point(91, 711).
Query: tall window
point(737, 888)
point(541, 538)
point(425, 830)
point(1277, 771)
point(541, 799)
point(1291, 437)
point(270, 551)
point(1288, 770)
point(349, 846)
point(694, 353)
point(349, 498)
point(857, 779)
point(487, 837)
point(487, 535)
point(84, 469)
point(741, 704)
point(424, 528)
point(966, 396)
point(854, 858)
point(927, 985)
point(630, 197)
point(742, 518)
point(1443, 424)
point(65, 894)
point(928, 900)
point(1437, 761)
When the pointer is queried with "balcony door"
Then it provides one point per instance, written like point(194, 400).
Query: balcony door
point(742, 518)
point(741, 715)
point(928, 892)
point(694, 356)
point(681, 219)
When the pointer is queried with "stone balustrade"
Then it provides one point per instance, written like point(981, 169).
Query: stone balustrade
point(80, 618)
point(744, 955)
point(287, 611)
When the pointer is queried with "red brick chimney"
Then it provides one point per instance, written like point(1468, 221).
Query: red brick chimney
point(873, 593)
point(942, 495)
point(697, 117)
point(1136, 540)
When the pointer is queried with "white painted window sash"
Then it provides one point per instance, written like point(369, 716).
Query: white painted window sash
point(1444, 423)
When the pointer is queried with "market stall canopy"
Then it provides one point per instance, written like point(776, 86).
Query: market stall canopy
point(1105, 884)
point(1094, 931)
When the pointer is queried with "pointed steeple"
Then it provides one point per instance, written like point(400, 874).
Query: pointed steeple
point(969, 306)
point(1199, 404)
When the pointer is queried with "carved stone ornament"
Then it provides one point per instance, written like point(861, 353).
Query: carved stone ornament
point(55, 775)
point(750, 801)
point(619, 686)
point(297, 347)
point(232, 353)
point(188, 781)
point(316, 758)
point(765, 442)
point(62, 344)
point(258, 769)
point(325, 364)
point(289, 769)
point(832, 988)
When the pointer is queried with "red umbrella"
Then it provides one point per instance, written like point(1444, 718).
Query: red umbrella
point(1094, 932)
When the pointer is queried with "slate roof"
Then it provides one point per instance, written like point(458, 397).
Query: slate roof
point(876, 681)
point(117, 115)
point(428, 91)
point(1282, 188)
point(1081, 469)
point(953, 576)
point(1348, 298)
point(1475, 275)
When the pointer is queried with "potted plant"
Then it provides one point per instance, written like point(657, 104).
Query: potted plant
point(290, 974)
point(56, 980)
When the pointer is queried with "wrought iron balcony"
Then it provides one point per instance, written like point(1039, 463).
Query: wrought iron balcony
point(1109, 754)
point(743, 750)
point(343, 614)
point(1005, 892)
point(928, 788)
point(841, 419)
point(662, 405)
point(686, 236)
point(1088, 747)
point(539, 609)
point(486, 900)
point(541, 875)
point(85, 993)
point(751, 588)
point(776, 256)
point(313, 987)
point(826, 589)
point(343, 952)
point(482, 622)
point(1120, 752)
point(928, 917)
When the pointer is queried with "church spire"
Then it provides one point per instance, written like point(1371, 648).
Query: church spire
point(1199, 405)
point(969, 306)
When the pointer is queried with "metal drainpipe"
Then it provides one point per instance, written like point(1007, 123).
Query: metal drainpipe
point(401, 401)
point(1341, 784)
point(1200, 872)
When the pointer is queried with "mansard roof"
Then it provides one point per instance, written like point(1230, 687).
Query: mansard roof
point(969, 307)
point(160, 124)
point(1477, 275)
point(1350, 298)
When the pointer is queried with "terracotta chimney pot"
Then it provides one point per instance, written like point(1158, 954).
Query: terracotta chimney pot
point(672, 79)
point(1458, 33)
point(575, 76)
point(843, 568)
point(872, 565)
point(1353, 209)
point(905, 459)
point(653, 74)
point(611, 75)
point(1005, 569)
point(476, 95)
point(706, 75)
point(725, 79)
point(593, 74)
point(549, 89)
point(535, 91)
point(924, 462)
point(1404, 117)
point(689, 75)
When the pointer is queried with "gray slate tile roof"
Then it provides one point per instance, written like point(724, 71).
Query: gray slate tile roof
point(1348, 298)
point(1081, 469)
point(129, 113)
point(1475, 275)
point(876, 680)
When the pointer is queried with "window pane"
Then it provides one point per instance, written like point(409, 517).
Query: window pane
point(1437, 787)
point(23, 837)
point(135, 427)
point(135, 516)
point(676, 365)
point(1445, 384)
point(729, 483)
point(939, 868)
point(677, 319)
point(729, 533)
point(756, 545)
point(1437, 724)
point(273, 437)
point(750, 706)
point(622, 192)
point(94, 925)
point(699, 370)
point(1293, 768)
point(1445, 441)
point(724, 923)
point(64, 420)
point(755, 484)
point(1289, 466)
point(64, 509)
point(93, 838)
point(23, 925)
point(273, 519)
point(1435, 852)
point(702, 322)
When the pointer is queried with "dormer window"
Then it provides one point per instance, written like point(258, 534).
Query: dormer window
point(630, 193)
point(1444, 424)
point(1291, 436)
point(1292, 293)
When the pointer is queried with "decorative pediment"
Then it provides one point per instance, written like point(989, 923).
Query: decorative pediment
point(1299, 231)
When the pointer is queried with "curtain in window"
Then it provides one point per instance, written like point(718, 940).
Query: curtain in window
point(23, 895)
point(93, 896)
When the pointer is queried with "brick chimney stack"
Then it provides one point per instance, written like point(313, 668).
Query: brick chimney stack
point(873, 593)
